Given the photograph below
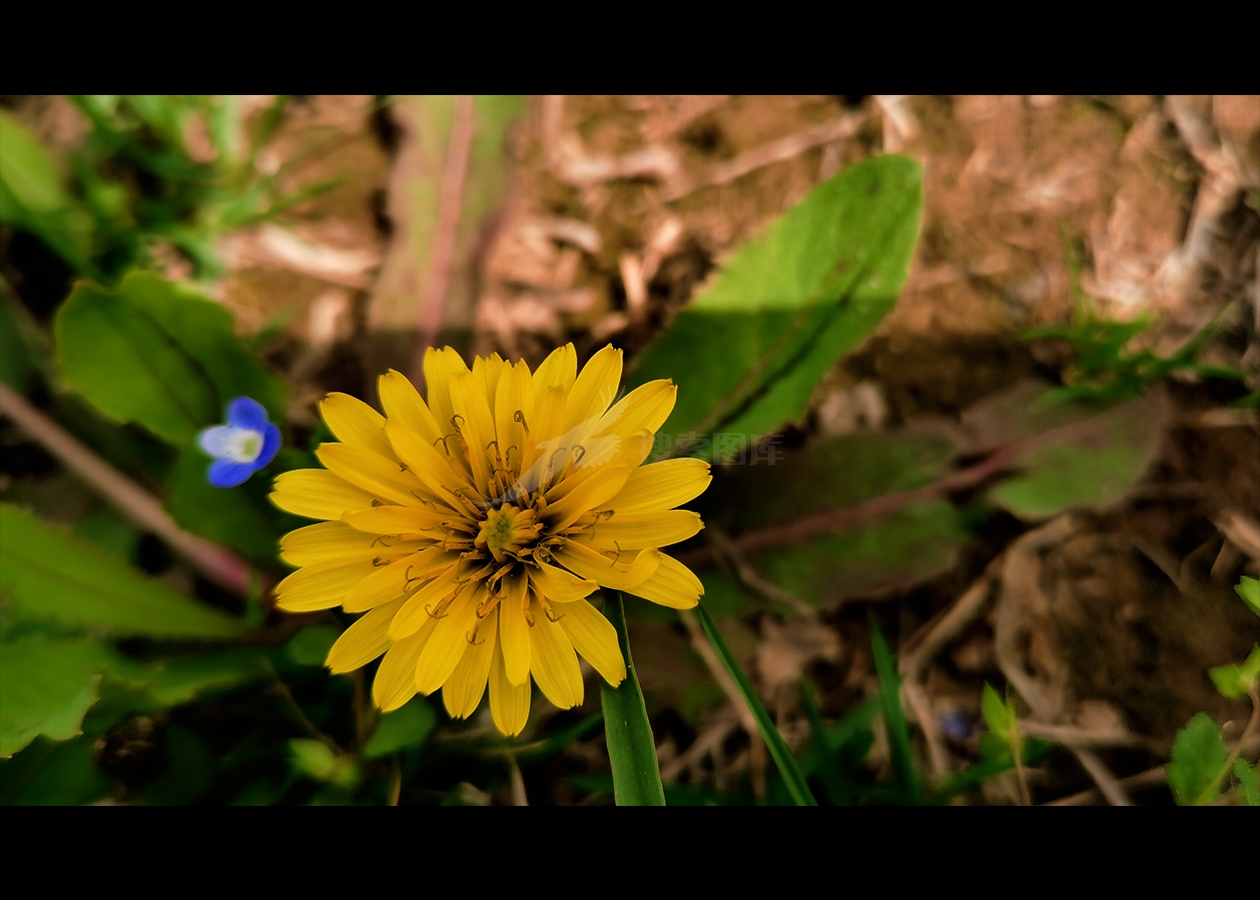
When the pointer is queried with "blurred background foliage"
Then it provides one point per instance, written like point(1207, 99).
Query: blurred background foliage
point(957, 443)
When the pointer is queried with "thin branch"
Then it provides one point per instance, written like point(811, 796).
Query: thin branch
point(219, 564)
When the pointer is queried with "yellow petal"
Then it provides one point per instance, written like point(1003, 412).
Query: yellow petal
point(323, 585)
point(509, 703)
point(642, 531)
point(514, 629)
point(420, 606)
point(318, 494)
point(488, 370)
point(403, 405)
point(397, 520)
point(594, 638)
point(366, 639)
point(672, 585)
point(382, 477)
point(557, 585)
point(553, 663)
point(557, 370)
point(600, 487)
point(593, 566)
point(440, 366)
point(646, 407)
point(463, 691)
point(541, 444)
point(430, 465)
point(399, 578)
point(662, 486)
point(325, 541)
point(513, 408)
point(355, 423)
point(395, 682)
point(452, 637)
point(596, 386)
point(474, 423)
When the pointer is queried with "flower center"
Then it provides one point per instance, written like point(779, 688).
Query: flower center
point(243, 445)
point(508, 530)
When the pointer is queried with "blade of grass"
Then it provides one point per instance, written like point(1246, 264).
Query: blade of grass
point(823, 752)
point(631, 747)
point(894, 716)
point(783, 758)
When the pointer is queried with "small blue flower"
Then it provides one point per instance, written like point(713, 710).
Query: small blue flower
point(247, 443)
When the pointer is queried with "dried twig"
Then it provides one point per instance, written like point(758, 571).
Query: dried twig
point(217, 563)
point(449, 202)
point(748, 575)
point(1157, 775)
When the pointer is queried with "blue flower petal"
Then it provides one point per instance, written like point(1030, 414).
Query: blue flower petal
point(270, 447)
point(215, 441)
point(225, 473)
point(246, 412)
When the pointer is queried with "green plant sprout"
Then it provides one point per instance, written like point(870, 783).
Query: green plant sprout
point(1103, 370)
point(1200, 761)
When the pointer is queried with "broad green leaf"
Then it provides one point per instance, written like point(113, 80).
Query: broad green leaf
point(631, 747)
point(1248, 781)
point(405, 727)
point(1249, 590)
point(1093, 462)
point(49, 773)
point(1237, 681)
point(51, 574)
point(750, 348)
point(899, 747)
point(793, 777)
point(160, 354)
point(33, 199)
point(241, 518)
point(48, 686)
point(1199, 761)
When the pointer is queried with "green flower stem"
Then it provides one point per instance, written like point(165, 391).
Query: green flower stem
point(631, 747)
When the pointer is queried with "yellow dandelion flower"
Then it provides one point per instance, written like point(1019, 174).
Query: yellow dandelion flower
point(470, 530)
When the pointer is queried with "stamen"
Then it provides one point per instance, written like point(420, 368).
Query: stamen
point(519, 417)
point(378, 562)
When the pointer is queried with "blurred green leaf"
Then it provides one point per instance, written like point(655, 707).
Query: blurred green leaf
point(1238, 681)
point(310, 646)
point(1199, 762)
point(241, 518)
point(158, 353)
point(793, 777)
point(405, 727)
point(631, 747)
point(23, 353)
point(189, 773)
point(1249, 590)
point(823, 752)
point(316, 760)
point(49, 773)
point(1095, 461)
point(1248, 781)
point(33, 199)
point(49, 684)
point(899, 748)
point(750, 348)
point(999, 714)
point(50, 574)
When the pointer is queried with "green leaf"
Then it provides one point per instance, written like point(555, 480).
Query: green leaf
point(310, 646)
point(1249, 590)
point(793, 777)
point(899, 747)
point(1248, 781)
point(158, 353)
point(406, 726)
point(1199, 762)
point(631, 747)
point(50, 574)
point(316, 760)
point(749, 350)
point(49, 773)
point(49, 684)
point(824, 755)
point(1238, 681)
point(33, 199)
